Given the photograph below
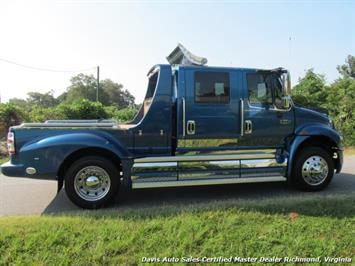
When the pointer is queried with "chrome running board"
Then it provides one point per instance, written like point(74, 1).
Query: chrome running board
point(202, 182)
point(214, 157)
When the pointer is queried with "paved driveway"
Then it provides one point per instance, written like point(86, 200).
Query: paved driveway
point(22, 196)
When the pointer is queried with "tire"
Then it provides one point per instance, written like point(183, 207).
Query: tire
point(313, 169)
point(92, 182)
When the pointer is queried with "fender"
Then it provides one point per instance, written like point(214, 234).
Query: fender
point(305, 132)
point(47, 154)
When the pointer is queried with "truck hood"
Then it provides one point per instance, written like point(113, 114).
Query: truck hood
point(305, 115)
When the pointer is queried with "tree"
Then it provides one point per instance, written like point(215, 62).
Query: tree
point(82, 87)
point(115, 95)
point(341, 101)
point(348, 69)
point(110, 93)
point(21, 103)
point(41, 99)
point(311, 90)
point(341, 104)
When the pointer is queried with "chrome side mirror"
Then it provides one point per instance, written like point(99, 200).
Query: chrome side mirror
point(286, 102)
point(286, 83)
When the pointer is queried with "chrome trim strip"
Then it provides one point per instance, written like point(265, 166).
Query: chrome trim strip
point(208, 182)
point(215, 157)
point(241, 101)
point(183, 116)
point(69, 125)
point(206, 143)
point(154, 165)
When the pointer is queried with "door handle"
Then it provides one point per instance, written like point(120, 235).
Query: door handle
point(248, 127)
point(190, 127)
point(284, 121)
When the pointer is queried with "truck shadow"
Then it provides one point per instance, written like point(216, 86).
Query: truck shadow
point(336, 201)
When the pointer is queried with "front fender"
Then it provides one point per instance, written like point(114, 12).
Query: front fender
point(307, 131)
point(318, 129)
point(47, 154)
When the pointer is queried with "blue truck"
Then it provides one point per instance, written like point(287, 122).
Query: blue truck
point(198, 125)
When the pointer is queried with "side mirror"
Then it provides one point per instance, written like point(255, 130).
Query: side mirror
point(286, 83)
point(286, 102)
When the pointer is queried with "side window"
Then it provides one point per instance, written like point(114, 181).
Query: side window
point(212, 87)
point(259, 89)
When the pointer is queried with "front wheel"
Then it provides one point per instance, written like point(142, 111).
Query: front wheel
point(92, 182)
point(313, 169)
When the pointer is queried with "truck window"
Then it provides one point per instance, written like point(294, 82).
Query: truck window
point(212, 87)
point(259, 89)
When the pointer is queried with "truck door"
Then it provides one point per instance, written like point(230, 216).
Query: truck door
point(266, 123)
point(208, 122)
point(208, 108)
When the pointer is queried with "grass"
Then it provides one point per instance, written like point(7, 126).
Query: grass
point(4, 159)
point(303, 227)
point(350, 150)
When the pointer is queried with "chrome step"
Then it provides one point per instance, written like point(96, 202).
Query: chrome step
point(213, 157)
point(208, 182)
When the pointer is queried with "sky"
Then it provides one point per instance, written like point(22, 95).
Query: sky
point(126, 38)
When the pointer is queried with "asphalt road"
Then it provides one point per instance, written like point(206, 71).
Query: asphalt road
point(23, 196)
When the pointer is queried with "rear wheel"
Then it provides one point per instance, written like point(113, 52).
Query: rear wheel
point(313, 169)
point(92, 182)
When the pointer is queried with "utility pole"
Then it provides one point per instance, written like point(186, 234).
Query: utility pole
point(98, 83)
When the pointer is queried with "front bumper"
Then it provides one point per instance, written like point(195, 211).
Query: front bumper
point(339, 161)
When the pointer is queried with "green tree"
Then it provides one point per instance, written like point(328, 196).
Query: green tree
point(348, 69)
point(341, 101)
point(41, 99)
point(21, 103)
point(82, 87)
point(311, 90)
point(114, 95)
point(85, 87)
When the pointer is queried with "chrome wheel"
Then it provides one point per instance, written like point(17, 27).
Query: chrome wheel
point(315, 170)
point(92, 183)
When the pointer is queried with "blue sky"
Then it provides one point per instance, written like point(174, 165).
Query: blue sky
point(127, 38)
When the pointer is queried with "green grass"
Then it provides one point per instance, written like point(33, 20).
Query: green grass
point(4, 159)
point(294, 226)
point(349, 150)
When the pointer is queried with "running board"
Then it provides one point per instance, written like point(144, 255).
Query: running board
point(216, 157)
point(207, 182)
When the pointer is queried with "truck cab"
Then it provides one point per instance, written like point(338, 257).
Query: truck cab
point(198, 125)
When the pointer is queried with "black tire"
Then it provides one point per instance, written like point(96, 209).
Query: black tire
point(105, 170)
point(303, 159)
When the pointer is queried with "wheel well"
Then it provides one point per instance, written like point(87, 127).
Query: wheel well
point(322, 142)
point(87, 152)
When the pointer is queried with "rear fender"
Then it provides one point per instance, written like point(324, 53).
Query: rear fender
point(46, 155)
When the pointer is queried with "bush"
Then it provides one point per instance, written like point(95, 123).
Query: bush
point(10, 115)
point(40, 114)
point(122, 115)
point(82, 109)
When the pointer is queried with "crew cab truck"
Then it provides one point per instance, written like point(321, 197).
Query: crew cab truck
point(198, 125)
